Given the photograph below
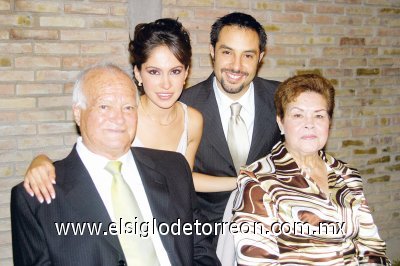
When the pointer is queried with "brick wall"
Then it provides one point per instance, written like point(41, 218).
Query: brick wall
point(43, 45)
point(354, 43)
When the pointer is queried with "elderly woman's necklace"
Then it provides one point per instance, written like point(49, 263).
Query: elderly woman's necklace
point(175, 115)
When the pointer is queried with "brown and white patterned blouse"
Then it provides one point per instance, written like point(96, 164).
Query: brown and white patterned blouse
point(319, 229)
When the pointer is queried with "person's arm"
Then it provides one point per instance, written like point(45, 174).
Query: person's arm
point(203, 182)
point(28, 240)
point(208, 183)
point(40, 178)
point(371, 248)
point(195, 131)
point(257, 214)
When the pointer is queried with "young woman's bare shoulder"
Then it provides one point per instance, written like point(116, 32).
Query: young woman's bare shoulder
point(195, 115)
point(195, 123)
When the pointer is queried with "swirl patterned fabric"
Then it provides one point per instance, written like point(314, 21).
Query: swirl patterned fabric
point(320, 229)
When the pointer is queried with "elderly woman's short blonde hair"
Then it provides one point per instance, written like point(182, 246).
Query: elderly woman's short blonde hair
point(290, 89)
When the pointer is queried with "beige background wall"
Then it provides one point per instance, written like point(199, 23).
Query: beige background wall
point(354, 43)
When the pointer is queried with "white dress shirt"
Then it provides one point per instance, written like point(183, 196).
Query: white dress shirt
point(247, 112)
point(102, 180)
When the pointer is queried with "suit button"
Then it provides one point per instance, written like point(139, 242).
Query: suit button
point(121, 263)
point(232, 168)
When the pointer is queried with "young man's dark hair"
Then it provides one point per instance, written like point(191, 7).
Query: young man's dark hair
point(241, 20)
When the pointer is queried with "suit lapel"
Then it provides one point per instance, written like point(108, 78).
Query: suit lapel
point(213, 127)
point(262, 121)
point(154, 183)
point(83, 197)
point(160, 196)
point(262, 130)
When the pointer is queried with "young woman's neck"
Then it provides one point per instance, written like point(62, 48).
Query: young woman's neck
point(163, 116)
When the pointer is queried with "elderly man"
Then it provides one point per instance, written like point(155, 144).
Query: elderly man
point(111, 199)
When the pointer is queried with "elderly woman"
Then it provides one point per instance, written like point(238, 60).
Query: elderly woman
point(299, 205)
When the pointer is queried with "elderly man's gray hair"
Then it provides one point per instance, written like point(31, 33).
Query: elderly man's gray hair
point(78, 95)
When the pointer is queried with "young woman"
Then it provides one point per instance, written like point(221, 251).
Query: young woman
point(160, 55)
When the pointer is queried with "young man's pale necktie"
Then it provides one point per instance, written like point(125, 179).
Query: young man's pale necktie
point(238, 140)
point(138, 250)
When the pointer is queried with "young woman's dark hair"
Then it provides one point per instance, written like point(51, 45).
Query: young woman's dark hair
point(241, 20)
point(165, 31)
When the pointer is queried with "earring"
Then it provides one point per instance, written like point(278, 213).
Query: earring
point(140, 84)
point(282, 132)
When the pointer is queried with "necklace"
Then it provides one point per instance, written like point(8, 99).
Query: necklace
point(158, 122)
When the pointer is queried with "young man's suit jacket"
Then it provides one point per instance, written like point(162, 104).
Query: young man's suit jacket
point(169, 188)
point(213, 156)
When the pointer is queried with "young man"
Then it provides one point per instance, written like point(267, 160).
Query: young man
point(237, 47)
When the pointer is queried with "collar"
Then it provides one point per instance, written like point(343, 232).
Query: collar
point(286, 165)
point(224, 102)
point(84, 152)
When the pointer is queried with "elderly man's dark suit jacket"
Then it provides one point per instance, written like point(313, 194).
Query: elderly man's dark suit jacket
point(213, 156)
point(169, 187)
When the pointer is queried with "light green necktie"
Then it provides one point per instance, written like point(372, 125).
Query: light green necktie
point(138, 250)
point(238, 140)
